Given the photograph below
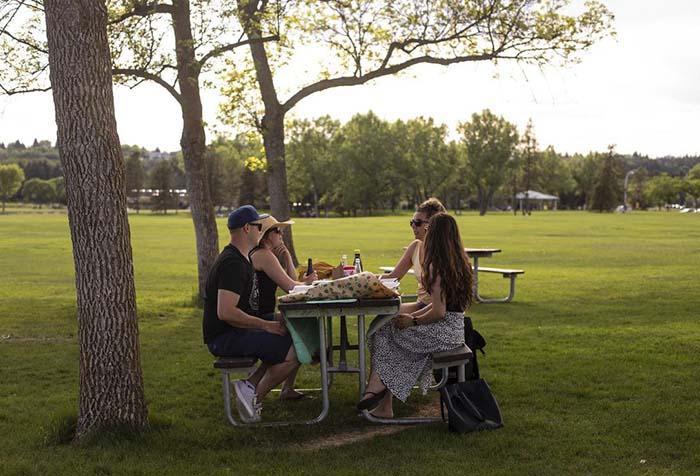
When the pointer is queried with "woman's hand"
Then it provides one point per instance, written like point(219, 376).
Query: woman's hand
point(403, 321)
point(280, 251)
point(310, 278)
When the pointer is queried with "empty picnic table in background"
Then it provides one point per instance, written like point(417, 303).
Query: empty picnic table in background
point(475, 254)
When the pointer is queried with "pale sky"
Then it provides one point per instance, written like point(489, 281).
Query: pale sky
point(640, 91)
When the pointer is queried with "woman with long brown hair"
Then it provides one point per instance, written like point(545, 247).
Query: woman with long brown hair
point(413, 256)
point(401, 352)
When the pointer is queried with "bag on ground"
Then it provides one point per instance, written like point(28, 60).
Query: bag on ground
point(470, 406)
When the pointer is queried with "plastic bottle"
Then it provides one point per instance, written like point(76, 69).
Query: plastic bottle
point(344, 260)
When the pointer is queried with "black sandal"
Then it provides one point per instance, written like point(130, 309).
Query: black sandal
point(371, 402)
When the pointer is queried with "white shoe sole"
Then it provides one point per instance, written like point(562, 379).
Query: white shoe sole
point(244, 404)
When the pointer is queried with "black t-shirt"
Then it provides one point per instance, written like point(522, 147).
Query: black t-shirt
point(233, 272)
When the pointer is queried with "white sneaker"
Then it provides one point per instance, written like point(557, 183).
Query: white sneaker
point(246, 400)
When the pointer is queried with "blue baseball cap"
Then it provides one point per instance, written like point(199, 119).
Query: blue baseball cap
point(243, 215)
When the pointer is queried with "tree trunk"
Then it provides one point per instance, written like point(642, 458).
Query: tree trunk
point(111, 384)
point(273, 139)
point(272, 126)
point(316, 215)
point(193, 143)
point(481, 196)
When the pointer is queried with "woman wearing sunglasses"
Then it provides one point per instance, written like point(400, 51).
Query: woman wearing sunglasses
point(412, 257)
point(273, 268)
point(401, 352)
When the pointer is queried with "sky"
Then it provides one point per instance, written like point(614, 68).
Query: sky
point(639, 91)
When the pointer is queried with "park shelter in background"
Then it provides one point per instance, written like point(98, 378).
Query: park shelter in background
point(538, 200)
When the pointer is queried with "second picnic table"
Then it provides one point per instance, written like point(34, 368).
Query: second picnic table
point(475, 254)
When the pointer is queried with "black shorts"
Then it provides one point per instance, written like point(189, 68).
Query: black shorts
point(270, 348)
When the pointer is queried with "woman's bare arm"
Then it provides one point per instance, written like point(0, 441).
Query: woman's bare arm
point(404, 264)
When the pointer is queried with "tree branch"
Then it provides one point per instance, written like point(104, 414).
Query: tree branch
point(26, 43)
point(10, 92)
point(144, 10)
point(232, 46)
point(140, 73)
point(379, 72)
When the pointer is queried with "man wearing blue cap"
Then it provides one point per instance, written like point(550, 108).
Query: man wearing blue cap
point(231, 329)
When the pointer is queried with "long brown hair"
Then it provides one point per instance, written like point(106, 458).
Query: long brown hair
point(444, 256)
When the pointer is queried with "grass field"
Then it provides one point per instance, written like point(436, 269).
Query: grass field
point(595, 363)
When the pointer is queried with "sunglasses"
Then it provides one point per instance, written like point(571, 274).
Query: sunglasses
point(257, 225)
point(418, 223)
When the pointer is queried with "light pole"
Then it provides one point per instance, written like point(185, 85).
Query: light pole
point(624, 200)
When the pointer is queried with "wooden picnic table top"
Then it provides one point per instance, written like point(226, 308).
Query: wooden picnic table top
point(481, 252)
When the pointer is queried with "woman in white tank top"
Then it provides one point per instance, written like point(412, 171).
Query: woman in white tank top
point(413, 255)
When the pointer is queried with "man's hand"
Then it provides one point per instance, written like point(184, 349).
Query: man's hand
point(403, 321)
point(275, 327)
point(310, 278)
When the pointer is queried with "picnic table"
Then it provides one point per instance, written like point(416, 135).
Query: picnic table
point(324, 312)
point(475, 254)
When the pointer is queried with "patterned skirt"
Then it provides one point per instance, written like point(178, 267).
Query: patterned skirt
point(401, 357)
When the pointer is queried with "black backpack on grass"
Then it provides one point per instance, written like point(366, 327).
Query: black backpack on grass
point(469, 405)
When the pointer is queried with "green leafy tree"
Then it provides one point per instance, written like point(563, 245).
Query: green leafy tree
point(607, 191)
point(225, 168)
point(382, 38)
point(553, 176)
point(489, 142)
point(59, 187)
point(529, 161)
point(694, 173)
point(134, 179)
point(11, 178)
point(365, 182)
point(584, 169)
point(662, 190)
point(38, 191)
point(635, 188)
point(313, 166)
point(691, 186)
point(427, 162)
point(161, 179)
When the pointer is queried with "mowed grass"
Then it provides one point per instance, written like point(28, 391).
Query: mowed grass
point(595, 363)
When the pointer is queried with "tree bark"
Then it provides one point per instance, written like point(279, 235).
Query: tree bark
point(272, 126)
point(193, 144)
point(111, 384)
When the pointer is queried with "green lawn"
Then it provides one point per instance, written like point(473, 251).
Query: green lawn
point(595, 363)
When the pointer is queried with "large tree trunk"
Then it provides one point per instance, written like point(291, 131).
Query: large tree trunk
point(193, 143)
point(272, 124)
point(111, 385)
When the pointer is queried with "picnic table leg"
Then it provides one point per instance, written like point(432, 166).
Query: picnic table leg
point(342, 360)
point(324, 372)
point(475, 268)
point(508, 298)
point(329, 346)
point(361, 351)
